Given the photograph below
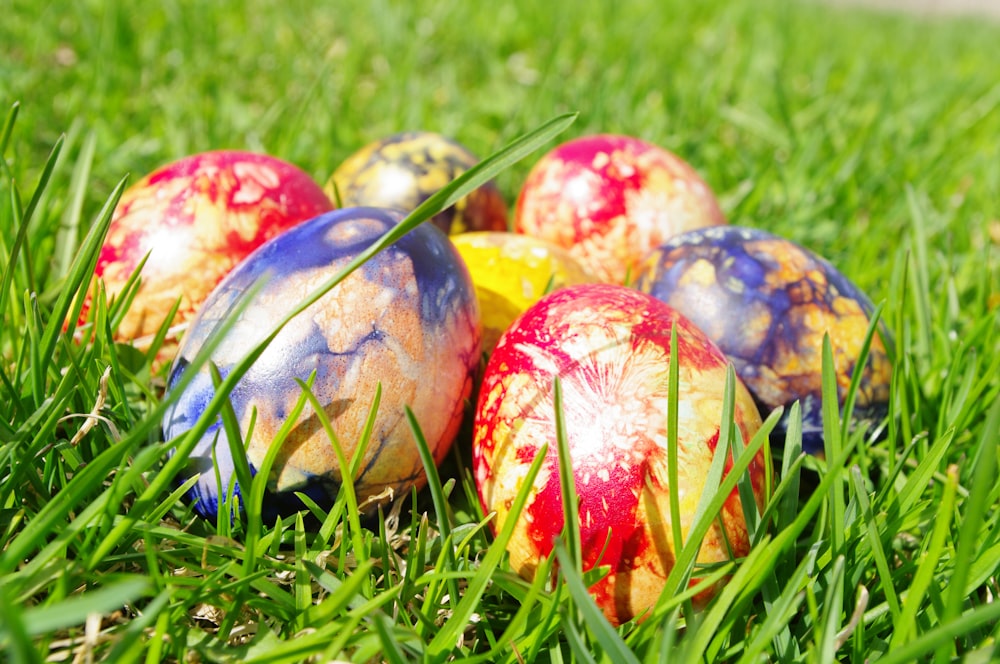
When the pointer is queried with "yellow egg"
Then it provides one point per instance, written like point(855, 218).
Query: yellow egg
point(511, 272)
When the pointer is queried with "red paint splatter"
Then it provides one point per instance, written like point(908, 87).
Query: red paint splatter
point(608, 500)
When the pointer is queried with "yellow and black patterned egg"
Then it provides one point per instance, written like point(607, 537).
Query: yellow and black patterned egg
point(404, 170)
point(767, 303)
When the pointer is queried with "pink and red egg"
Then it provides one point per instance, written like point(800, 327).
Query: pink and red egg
point(611, 200)
point(610, 347)
point(196, 218)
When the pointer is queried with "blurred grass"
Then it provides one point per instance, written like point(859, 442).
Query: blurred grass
point(800, 117)
point(871, 138)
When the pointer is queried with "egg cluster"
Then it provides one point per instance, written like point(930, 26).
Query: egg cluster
point(616, 248)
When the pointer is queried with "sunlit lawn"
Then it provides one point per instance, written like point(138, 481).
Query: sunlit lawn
point(870, 138)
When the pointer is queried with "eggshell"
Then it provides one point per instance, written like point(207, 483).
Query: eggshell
point(611, 200)
point(407, 320)
point(610, 347)
point(767, 302)
point(511, 272)
point(196, 218)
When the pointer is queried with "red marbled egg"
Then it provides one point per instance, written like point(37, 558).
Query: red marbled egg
point(610, 347)
point(611, 200)
point(197, 218)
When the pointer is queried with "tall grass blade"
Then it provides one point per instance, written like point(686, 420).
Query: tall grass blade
point(438, 498)
point(976, 506)
point(447, 637)
point(567, 482)
point(74, 610)
point(905, 621)
point(597, 625)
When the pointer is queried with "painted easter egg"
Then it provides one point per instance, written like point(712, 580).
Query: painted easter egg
point(404, 170)
point(610, 347)
point(767, 302)
point(511, 272)
point(196, 218)
point(611, 200)
point(407, 320)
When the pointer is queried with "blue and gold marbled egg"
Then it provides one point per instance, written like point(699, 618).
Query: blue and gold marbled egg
point(405, 169)
point(767, 302)
point(407, 319)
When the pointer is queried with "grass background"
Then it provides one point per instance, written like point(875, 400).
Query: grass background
point(871, 138)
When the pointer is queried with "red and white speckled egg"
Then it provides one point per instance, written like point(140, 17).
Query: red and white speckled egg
point(197, 218)
point(611, 200)
point(610, 347)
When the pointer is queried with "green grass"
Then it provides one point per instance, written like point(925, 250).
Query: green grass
point(870, 138)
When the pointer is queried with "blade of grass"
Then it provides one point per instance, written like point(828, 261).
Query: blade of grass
point(597, 625)
point(326, 531)
point(343, 594)
point(8, 129)
point(852, 391)
point(943, 635)
point(708, 626)
point(390, 645)
point(921, 289)
point(673, 368)
point(15, 639)
point(234, 441)
point(710, 504)
point(833, 443)
point(73, 610)
point(875, 540)
point(905, 622)
point(527, 601)
point(258, 485)
point(68, 237)
point(347, 469)
point(976, 506)
point(447, 637)
point(437, 498)
point(828, 626)
point(917, 481)
point(22, 220)
point(577, 644)
point(567, 483)
point(780, 611)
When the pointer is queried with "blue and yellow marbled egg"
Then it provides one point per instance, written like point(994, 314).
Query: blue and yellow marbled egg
point(407, 319)
point(767, 303)
point(405, 169)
